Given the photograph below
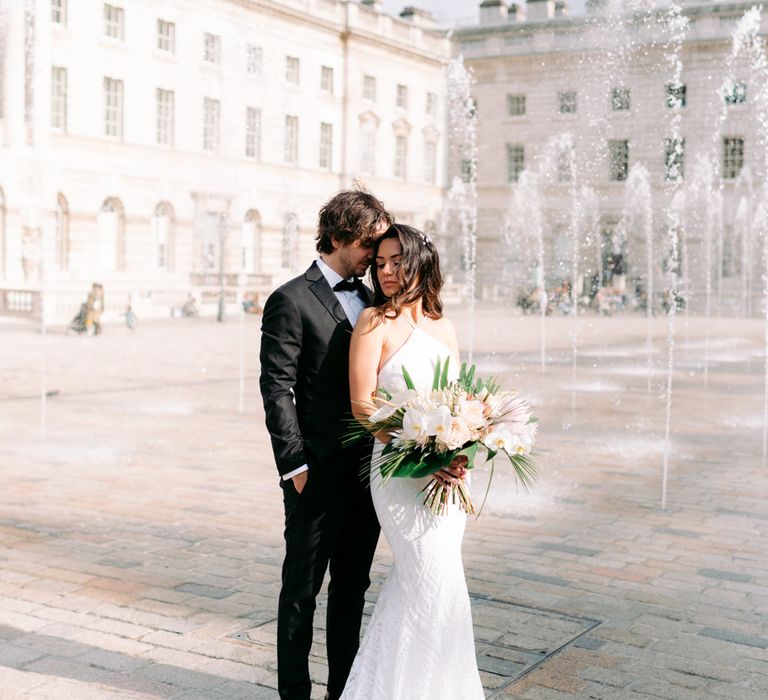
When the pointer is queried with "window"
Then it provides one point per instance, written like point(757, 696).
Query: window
point(368, 147)
point(326, 79)
point(211, 124)
point(736, 95)
point(676, 95)
point(466, 170)
point(166, 36)
point(253, 59)
point(620, 100)
point(291, 144)
point(292, 70)
point(431, 108)
point(430, 162)
point(212, 48)
point(165, 117)
point(733, 156)
point(59, 12)
point(515, 161)
point(59, 98)
point(618, 157)
point(326, 146)
point(113, 107)
point(567, 102)
point(401, 155)
point(565, 164)
point(674, 151)
point(369, 88)
point(516, 105)
point(402, 97)
point(110, 243)
point(114, 22)
point(253, 133)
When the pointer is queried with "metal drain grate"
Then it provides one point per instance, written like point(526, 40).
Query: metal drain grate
point(510, 639)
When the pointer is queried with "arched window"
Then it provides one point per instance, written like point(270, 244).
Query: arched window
point(290, 241)
point(162, 231)
point(251, 237)
point(62, 232)
point(111, 243)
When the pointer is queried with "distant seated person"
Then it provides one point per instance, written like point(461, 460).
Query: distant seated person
point(189, 307)
point(251, 303)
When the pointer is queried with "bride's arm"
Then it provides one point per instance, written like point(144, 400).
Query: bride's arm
point(364, 357)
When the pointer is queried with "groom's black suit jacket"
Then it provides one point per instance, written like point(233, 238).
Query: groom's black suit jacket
point(305, 377)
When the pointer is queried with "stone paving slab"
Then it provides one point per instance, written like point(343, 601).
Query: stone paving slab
point(140, 541)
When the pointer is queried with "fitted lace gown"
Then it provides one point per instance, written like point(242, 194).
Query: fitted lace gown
point(419, 644)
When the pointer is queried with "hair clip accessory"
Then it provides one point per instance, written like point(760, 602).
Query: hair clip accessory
point(425, 239)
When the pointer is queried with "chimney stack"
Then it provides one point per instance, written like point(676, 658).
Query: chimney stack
point(493, 12)
point(421, 18)
point(541, 10)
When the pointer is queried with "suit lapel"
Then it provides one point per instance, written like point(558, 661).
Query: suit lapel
point(325, 295)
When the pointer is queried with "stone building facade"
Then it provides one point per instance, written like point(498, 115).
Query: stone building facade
point(547, 81)
point(165, 147)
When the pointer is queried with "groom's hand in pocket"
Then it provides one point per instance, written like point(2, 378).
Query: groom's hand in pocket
point(300, 481)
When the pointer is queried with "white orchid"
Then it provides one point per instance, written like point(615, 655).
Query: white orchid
point(499, 438)
point(439, 421)
point(522, 443)
point(415, 426)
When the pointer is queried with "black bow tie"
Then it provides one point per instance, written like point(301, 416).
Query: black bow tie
point(353, 285)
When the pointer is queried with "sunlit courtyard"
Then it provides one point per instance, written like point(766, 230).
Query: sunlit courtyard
point(141, 519)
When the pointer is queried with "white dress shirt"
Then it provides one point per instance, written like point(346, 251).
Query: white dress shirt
point(352, 304)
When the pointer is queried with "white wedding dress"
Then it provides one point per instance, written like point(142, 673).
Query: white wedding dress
point(419, 644)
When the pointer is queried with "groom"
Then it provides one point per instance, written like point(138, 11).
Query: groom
point(329, 516)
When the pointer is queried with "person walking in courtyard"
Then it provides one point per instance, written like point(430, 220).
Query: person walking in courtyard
point(329, 517)
point(94, 307)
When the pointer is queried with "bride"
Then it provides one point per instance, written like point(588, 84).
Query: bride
point(419, 643)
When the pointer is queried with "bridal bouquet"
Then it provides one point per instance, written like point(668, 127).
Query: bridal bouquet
point(460, 418)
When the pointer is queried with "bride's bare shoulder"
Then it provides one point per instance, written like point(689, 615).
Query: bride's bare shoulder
point(369, 322)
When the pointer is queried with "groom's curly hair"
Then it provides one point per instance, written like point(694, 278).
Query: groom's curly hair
point(349, 216)
point(419, 272)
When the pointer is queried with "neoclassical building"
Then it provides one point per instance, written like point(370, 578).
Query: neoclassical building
point(177, 146)
point(161, 147)
point(553, 89)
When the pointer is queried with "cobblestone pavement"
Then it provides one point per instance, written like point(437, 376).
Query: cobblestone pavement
point(141, 540)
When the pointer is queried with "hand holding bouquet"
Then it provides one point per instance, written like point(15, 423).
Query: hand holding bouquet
point(455, 419)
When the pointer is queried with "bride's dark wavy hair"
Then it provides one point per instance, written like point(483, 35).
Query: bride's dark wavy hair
point(419, 273)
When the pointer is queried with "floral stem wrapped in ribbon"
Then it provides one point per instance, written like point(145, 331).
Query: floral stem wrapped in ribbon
point(459, 418)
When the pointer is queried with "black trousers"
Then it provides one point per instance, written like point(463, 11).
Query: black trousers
point(331, 522)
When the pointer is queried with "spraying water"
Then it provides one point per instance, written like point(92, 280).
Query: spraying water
point(462, 153)
point(678, 27)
